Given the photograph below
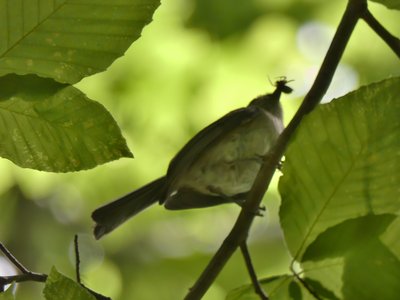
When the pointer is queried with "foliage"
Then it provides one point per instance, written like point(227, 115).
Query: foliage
point(55, 127)
point(340, 199)
point(67, 40)
point(349, 144)
point(64, 41)
point(61, 287)
point(334, 221)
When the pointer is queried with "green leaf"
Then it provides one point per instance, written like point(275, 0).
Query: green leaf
point(342, 163)
point(282, 287)
point(68, 39)
point(328, 272)
point(365, 268)
point(393, 4)
point(50, 126)
point(59, 287)
point(319, 289)
point(371, 272)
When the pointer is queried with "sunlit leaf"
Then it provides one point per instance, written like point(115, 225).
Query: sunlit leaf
point(328, 271)
point(395, 4)
point(282, 287)
point(68, 39)
point(59, 287)
point(50, 126)
point(343, 163)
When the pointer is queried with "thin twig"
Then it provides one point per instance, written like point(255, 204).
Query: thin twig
point(30, 276)
point(26, 274)
point(241, 228)
point(250, 267)
point(392, 41)
point(13, 259)
point(78, 272)
point(77, 259)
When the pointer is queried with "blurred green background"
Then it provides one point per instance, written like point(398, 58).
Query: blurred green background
point(196, 61)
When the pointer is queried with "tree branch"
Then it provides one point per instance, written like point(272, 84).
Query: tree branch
point(38, 277)
point(13, 259)
point(77, 259)
point(392, 41)
point(243, 223)
point(26, 274)
point(253, 276)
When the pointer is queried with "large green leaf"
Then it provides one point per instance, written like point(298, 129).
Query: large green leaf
point(394, 4)
point(351, 260)
point(342, 163)
point(59, 287)
point(68, 39)
point(50, 126)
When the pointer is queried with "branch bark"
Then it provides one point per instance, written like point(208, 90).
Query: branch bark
point(392, 41)
point(26, 274)
point(239, 232)
point(253, 276)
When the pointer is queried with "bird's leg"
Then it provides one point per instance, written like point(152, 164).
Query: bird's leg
point(264, 159)
point(258, 212)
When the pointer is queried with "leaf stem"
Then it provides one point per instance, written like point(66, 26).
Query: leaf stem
point(239, 232)
point(392, 41)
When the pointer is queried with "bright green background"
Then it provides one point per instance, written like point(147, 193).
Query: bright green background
point(172, 82)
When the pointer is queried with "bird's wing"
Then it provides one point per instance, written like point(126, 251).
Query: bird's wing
point(207, 137)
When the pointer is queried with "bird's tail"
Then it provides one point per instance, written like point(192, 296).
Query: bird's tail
point(111, 215)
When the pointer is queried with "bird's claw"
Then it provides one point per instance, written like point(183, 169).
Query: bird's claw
point(260, 210)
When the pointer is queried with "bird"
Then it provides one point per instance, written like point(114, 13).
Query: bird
point(218, 165)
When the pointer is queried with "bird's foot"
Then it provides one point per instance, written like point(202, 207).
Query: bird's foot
point(260, 211)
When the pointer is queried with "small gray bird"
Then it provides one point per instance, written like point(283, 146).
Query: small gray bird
point(218, 165)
